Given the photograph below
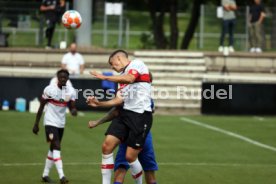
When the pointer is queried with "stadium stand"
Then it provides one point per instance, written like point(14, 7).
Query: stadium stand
point(170, 69)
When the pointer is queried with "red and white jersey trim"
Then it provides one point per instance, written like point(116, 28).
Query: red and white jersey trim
point(57, 103)
point(137, 96)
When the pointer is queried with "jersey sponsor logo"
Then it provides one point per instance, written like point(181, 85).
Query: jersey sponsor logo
point(134, 72)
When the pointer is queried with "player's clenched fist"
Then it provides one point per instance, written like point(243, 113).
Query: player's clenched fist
point(97, 75)
point(92, 101)
point(92, 124)
point(35, 129)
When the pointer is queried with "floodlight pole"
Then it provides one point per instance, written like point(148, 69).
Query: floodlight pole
point(201, 33)
point(120, 36)
point(84, 36)
point(127, 33)
point(246, 28)
point(105, 30)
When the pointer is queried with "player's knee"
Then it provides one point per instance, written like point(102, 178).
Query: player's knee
point(107, 147)
point(130, 158)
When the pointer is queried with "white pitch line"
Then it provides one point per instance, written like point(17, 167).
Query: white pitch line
point(160, 163)
point(226, 132)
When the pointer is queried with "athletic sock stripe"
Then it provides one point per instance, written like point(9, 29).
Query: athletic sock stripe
point(137, 175)
point(107, 166)
point(57, 159)
point(50, 158)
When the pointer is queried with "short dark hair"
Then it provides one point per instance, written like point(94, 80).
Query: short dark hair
point(63, 71)
point(116, 52)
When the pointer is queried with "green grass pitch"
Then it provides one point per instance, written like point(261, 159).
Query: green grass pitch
point(186, 153)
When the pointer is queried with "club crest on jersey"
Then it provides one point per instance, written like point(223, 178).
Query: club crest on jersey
point(51, 136)
point(61, 100)
point(134, 72)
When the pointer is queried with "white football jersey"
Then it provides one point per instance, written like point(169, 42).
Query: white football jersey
point(57, 103)
point(137, 96)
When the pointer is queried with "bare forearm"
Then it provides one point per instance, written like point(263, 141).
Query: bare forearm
point(233, 7)
point(261, 19)
point(109, 116)
point(46, 8)
point(38, 116)
point(40, 111)
point(119, 79)
point(110, 103)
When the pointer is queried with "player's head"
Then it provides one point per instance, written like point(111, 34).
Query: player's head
point(73, 48)
point(118, 60)
point(257, 1)
point(63, 76)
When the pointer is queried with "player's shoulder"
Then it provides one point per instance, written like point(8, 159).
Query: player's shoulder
point(70, 89)
point(51, 86)
point(137, 63)
point(49, 91)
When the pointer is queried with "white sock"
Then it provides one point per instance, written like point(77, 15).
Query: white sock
point(136, 171)
point(58, 163)
point(107, 168)
point(48, 163)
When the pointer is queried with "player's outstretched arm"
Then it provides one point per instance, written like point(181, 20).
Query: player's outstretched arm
point(112, 113)
point(38, 115)
point(94, 102)
point(123, 79)
point(73, 108)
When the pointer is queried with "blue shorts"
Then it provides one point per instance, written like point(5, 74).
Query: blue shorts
point(146, 156)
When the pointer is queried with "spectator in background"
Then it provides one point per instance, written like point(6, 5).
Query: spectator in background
point(51, 10)
point(229, 20)
point(256, 17)
point(73, 61)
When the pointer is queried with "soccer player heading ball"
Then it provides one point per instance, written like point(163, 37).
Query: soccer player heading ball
point(135, 120)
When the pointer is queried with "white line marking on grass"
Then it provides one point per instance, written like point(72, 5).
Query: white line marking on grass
point(160, 163)
point(38, 164)
point(226, 132)
point(259, 118)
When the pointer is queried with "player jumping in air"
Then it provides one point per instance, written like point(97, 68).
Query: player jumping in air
point(146, 156)
point(135, 120)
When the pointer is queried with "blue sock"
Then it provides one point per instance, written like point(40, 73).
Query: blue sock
point(117, 182)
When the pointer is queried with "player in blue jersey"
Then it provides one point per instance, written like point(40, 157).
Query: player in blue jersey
point(146, 156)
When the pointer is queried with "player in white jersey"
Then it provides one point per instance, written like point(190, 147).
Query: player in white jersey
point(56, 97)
point(135, 120)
